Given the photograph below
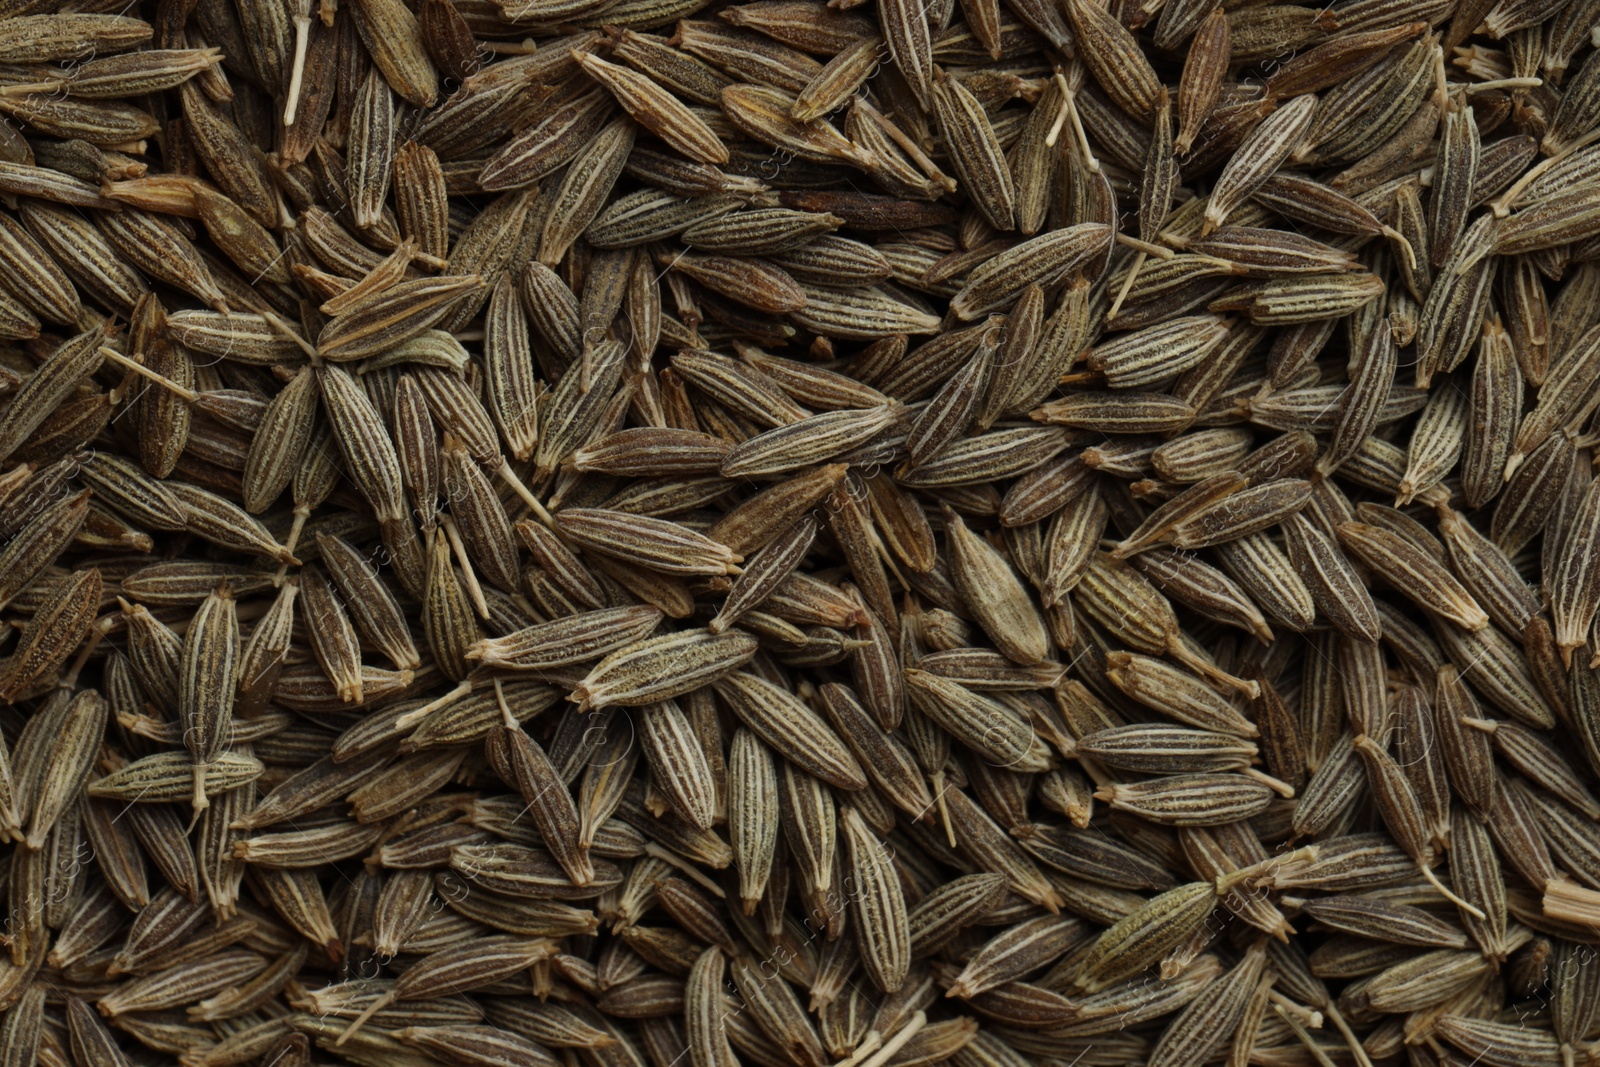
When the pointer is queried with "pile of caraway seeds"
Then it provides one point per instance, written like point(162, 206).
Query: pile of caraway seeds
point(668, 533)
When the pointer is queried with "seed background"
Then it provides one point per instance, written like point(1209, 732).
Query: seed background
point(644, 532)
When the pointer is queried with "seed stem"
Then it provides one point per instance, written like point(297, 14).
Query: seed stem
point(1305, 1037)
point(509, 476)
point(411, 718)
point(297, 73)
point(474, 590)
point(898, 1041)
point(1433, 879)
point(1350, 1038)
point(372, 1009)
point(869, 1045)
point(188, 395)
point(1127, 284)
